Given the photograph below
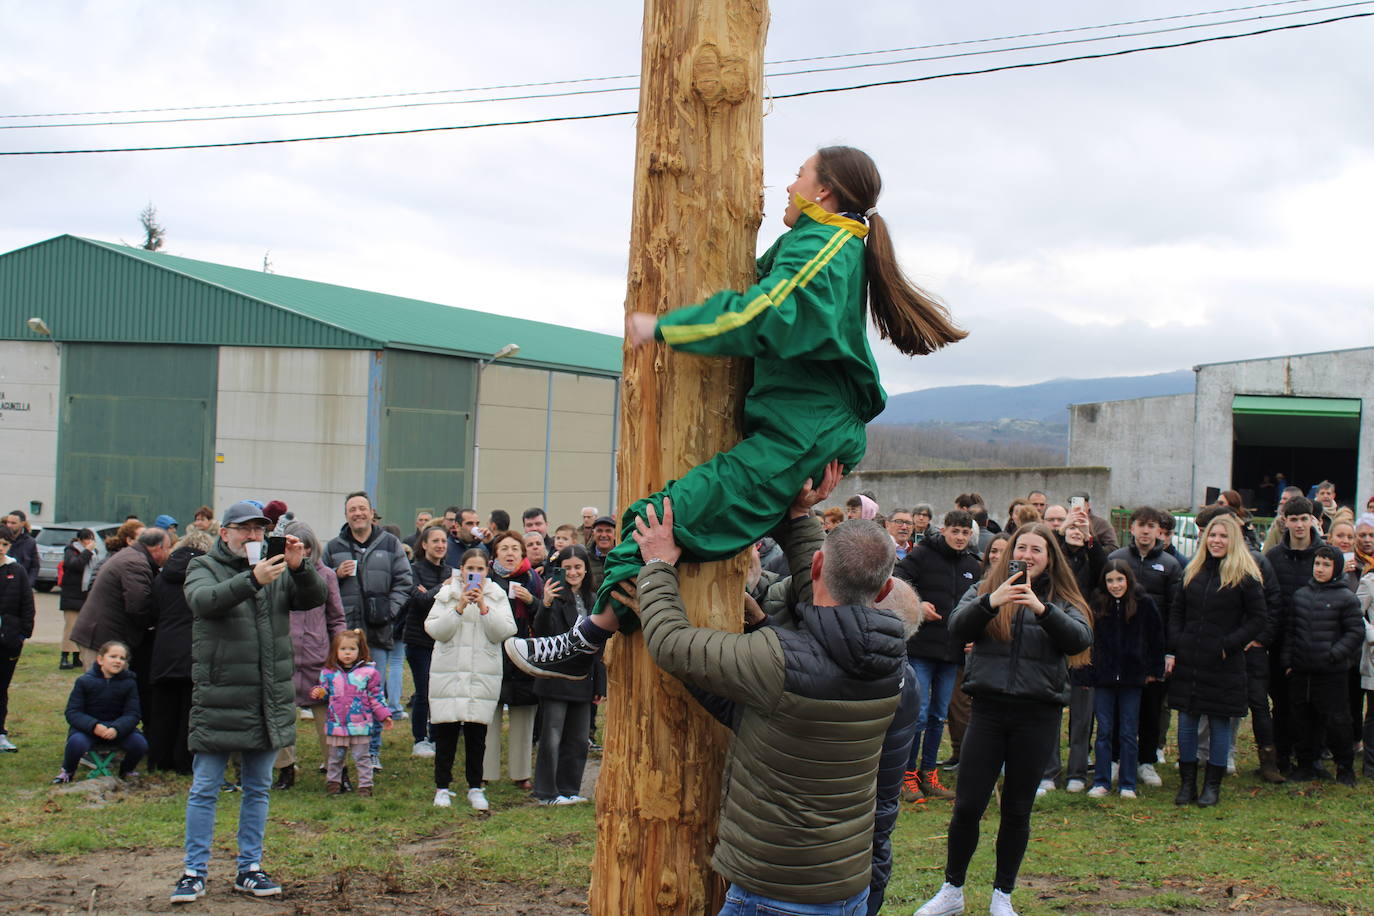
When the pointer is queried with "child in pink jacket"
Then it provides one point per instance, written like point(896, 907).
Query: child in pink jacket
point(352, 691)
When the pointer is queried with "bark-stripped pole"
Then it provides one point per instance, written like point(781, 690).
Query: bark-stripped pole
point(697, 208)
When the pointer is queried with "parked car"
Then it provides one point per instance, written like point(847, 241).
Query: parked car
point(53, 540)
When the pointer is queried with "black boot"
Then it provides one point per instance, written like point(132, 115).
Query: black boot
point(1211, 786)
point(286, 778)
point(64, 665)
point(1187, 789)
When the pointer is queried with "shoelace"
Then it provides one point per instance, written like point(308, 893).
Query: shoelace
point(551, 647)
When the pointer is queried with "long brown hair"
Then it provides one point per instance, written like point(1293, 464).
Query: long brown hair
point(357, 636)
point(915, 321)
point(1062, 588)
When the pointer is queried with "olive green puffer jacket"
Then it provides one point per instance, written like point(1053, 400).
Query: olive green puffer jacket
point(241, 655)
point(813, 706)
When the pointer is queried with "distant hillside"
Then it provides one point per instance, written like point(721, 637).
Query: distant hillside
point(1045, 401)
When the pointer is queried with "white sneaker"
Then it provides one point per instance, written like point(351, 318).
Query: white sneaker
point(6, 744)
point(443, 798)
point(1076, 785)
point(307, 713)
point(1046, 785)
point(1128, 793)
point(1159, 755)
point(377, 762)
point(478, 799)
point(1147, 775)
point(422, 748)
point(1000, 905)
point(1098, 792)
point(949, 901)
point(563, 800)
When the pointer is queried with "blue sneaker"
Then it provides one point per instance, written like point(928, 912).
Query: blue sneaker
point(253, 880)
point(189, 889)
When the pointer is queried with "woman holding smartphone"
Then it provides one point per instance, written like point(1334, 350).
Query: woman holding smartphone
point(511, 571)
point(1028, 624)
point(565, 707)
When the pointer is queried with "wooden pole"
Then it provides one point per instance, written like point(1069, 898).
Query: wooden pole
point(697, 208)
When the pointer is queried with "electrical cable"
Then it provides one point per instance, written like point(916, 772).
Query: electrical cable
point(580, 92)
point(616, 114)
point(592, 79)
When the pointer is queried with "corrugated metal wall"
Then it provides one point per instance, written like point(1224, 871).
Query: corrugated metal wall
point(425, 436)
point(136, 431)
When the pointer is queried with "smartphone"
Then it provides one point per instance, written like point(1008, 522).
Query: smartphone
point(1077, 502)
point(1014, 567)
point(276, 546)
point(474, 580)
point(559, 575)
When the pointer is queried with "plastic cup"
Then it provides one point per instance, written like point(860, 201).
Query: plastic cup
point(255, 549)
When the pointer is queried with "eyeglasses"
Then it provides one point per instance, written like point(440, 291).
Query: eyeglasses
point(248, 529)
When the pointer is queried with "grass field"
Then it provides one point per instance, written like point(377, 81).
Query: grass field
point(1304, 849)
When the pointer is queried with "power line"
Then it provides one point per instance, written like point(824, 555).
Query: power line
point(593, 79)
point(616, 114)
point(581, 92)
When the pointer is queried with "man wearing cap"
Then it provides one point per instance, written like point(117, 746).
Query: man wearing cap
point(243, 699)
point(166, 523)
point(119, 605)
point(603, 539)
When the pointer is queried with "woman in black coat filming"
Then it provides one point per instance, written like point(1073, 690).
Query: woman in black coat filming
point(1028, 623)
point(1218, 608)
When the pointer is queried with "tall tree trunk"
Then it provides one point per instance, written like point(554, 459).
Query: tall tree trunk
point(697, 208)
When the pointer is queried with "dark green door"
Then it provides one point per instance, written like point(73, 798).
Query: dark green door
point(426, 435)
point(136, 433)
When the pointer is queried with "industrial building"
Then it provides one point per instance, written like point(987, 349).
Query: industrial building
point(134, 382)
point(1301, 416)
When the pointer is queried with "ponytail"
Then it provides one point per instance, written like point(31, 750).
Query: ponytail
point(912, 319)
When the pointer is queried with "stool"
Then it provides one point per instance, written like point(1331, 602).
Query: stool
point(100, 758)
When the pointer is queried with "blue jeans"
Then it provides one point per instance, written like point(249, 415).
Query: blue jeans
point(1118, 712)
point(740, 902)
point(1219, 726)
point(134, 745)
point(937, 685)
point(207, 774)
point(389, 664)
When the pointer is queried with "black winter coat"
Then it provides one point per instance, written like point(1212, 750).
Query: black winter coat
point(1293, 569)
point(517, 687)
point(1033, 665)
point(172, 641)
point(940, 575)
point(1157, 573)
point(1209, 627)
point(99, 700)
point(1325, 629)
point(373, 596)
point(1127, 652)
point(560, 618)
point(75, 560)
point(1273, 599)
point(430, 577)
point(24, 550)
point(16, 608)
point(1086, 562)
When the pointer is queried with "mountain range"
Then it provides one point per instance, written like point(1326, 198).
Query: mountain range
point(1043, 401)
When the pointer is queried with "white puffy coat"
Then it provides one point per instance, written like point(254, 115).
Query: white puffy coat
point(466, 667)
point(1366, 595)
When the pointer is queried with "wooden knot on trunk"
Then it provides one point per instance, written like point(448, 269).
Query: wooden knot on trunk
point(672, 163)
point(718, 77)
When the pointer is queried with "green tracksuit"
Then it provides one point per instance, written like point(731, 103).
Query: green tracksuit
point(815, 386)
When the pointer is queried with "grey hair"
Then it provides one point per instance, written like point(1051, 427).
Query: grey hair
point(197, 540)
point(859, 555)
point(154, 537)
point(306, 535)
point(906, 604)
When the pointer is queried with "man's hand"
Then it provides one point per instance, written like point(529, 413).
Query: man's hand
point(627, 593)
point(295, 552)
point(639, 328)
point(929, 611)
point(752, 612)
point(270, 570)
point(346, 569)
point(808, 497)
point(655, 538)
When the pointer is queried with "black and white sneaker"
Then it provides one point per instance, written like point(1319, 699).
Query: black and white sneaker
point(566, 655)
point(254, 881)
point(189, 889)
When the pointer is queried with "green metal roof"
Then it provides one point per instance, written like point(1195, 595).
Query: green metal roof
point(88, 290)
point(1269, 405)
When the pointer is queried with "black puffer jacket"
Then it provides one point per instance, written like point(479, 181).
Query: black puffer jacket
point(1273, 599)
point(1293, 568)
point(1209, 627)
point(172, 641)
point(16, 608)
point(1325, 629)
point(99, 700)
point(1086, 561)
point(381, 580)
point(1157, 573)
point(431, 578)
point(1127, 652)
point(940, 574)
point(517, 687)
point(560, 618)
point(24, 550)
point(75, 560)
point(1033, 665)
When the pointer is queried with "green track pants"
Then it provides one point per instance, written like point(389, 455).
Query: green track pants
point(726, 504)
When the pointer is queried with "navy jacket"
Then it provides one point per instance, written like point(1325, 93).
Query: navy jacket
point(99, 700)
point(1127, 652)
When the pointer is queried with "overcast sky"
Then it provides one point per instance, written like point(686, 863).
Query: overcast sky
point(1105, 217)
